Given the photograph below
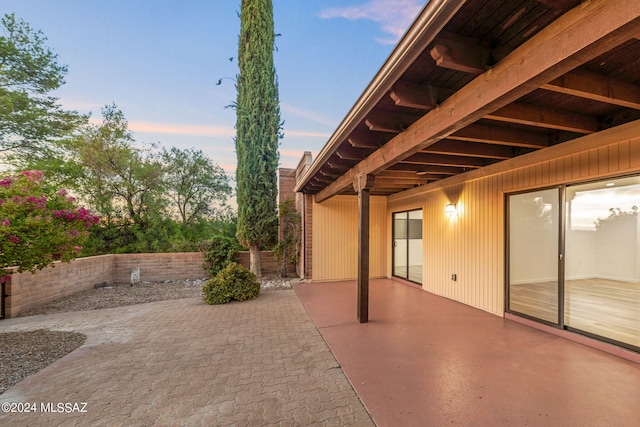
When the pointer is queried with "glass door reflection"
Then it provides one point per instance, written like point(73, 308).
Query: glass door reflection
point(534, 254)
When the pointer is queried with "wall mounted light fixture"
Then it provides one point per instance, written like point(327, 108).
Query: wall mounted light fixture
point(450, 210)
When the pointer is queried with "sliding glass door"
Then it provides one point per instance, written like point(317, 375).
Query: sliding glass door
point(407, 245)
point(533, 254)
point(574, 258)
point(602, 279)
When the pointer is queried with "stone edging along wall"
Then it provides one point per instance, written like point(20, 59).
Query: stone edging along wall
point(25, 290)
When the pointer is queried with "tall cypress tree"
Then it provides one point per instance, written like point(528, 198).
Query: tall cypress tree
point(257, 129)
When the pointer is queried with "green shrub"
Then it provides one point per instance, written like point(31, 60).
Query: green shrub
point(219, 252)
point(234, 282)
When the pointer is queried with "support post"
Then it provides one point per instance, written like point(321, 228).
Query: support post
point(362, 185)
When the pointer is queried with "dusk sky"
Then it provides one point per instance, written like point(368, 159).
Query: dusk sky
point(159, 62)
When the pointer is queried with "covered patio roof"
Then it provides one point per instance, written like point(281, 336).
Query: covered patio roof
point(475, 82)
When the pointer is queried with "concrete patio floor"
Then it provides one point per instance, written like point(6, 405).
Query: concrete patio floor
point(185, 363)
point(423, 360)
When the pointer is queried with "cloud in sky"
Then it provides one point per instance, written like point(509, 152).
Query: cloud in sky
point(394, 16)
point(192, 130)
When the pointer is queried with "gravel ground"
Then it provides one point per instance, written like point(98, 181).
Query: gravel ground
point(25, 353)
point(121, 295)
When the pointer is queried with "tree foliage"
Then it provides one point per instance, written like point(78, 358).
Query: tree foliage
point(617, 216)
point(150, 199)
point(197, 186)
point(122, 180)
point(30, 119)
point(37, 227)
point(258, 129)
point(123, 183)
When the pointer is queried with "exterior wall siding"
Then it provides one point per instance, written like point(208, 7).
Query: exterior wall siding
point(335, 248)
point(472, 245)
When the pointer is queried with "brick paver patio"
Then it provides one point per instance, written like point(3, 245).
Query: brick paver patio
point(182, 362)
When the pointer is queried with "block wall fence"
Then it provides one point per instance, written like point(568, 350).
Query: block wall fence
point(24, 291)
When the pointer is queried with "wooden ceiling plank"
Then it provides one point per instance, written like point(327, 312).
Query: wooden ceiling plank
point(406, 176)
point(585, 84)
point(396, 174)
point(561, 4)
point(554, 51)
point(431, 169)
point(395, 185)
point(500, 136)
point(470, 149)
point(445, 160)
point(548, 118)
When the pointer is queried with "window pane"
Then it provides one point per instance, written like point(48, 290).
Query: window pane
point(415, 246)
point(407, 245)
point(400, 267)
point(533, 254)
point(602, 271)
point(400, 226)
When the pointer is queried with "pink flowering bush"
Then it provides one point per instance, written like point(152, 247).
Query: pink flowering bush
point(37, 229)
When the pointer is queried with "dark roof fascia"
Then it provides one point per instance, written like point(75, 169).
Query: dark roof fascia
point(435, 15)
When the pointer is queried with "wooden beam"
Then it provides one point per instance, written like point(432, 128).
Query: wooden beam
point(436, 171)
point(548, 118)
point(554, 51)
point(363, 143)
point(331, 174)
point(445, 160)
point(409, 178)
point(345, 153)
point(465, 54)
point(363, 182)
point(431, 169)
point(362, 185)
point(625, 132)
point(321, 179)
point(500, 136)
point(412, 95)
point(470, 149)
point(338, 164)
point(585, 84)
point(387, 126)
point(388, 122)
point(396, 174)
point(389, 185)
